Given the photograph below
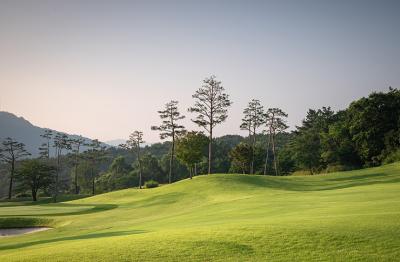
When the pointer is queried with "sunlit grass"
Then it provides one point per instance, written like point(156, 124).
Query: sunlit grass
point(348, 216)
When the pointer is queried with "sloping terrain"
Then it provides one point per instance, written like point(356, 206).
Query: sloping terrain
point(347, 216)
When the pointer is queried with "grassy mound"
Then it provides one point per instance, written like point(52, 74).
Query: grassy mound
point(348, 216)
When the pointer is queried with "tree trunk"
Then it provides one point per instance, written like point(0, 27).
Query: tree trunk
point(140, 168)
point(273, 151)
point(252, 152)
point(76, 179)
point(190, 172)
point(58, 171)
point(93, 182)
point(11, 178)
point(210, 151)
point(34, 193)
point(195, 169)
point(266, 158)
point(171, 159)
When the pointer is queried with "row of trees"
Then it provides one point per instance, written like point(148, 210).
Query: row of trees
point(48, 168)
point(365, 134)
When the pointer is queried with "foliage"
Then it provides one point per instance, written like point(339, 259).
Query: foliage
point(10, 152)
point(241, 156)
point(35, 175)
point(191, 149)
point(211, 105)
point(151, 184)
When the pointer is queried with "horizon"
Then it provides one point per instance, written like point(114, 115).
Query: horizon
point(98, 69)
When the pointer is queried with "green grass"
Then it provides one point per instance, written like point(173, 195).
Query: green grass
point(347, 216)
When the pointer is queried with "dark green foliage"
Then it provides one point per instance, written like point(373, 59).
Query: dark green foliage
point(151, 184)
point(374, 124)
point(365, 134)
point(191, 149)
point(35, 175)
point(241, 156)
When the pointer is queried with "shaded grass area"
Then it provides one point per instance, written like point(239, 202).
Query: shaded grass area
point(346, 216)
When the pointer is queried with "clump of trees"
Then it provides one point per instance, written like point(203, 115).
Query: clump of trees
point(365, 134)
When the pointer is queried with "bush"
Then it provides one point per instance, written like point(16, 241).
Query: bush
point(338, 168)
point(392, 157)
point(302, 173)
point(151, 184)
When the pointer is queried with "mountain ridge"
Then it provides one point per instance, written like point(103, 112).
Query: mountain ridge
point(22, 130)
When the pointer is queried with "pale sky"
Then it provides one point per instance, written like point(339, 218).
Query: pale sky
point(103, 68)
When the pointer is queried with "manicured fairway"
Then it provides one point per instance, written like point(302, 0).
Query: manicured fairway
point(348, 216)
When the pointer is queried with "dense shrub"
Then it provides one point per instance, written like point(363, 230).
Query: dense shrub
point(392, 157)
point(151, 184)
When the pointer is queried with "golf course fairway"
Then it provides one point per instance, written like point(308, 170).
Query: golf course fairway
point(346, 216)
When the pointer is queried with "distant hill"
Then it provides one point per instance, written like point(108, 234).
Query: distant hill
point(23, 131)
point(115, 142)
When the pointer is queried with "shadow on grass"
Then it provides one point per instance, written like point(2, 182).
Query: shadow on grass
point(27, 201)
point(94, 209)
point(319, 183)
point(70, 238)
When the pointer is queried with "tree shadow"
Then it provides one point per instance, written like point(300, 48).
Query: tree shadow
point(94, 209)
point(313, 184)
point(69, 238)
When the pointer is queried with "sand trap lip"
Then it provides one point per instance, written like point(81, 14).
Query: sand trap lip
point(6, 232)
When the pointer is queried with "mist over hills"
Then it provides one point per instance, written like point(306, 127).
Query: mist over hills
point(23, 131)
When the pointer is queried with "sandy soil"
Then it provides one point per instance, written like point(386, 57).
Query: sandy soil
point(5, 232)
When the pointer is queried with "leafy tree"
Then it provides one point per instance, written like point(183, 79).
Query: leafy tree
point(306, 144)
point(373, 120)
point(61, 142)
point(276, 124)
point(241, 156)
point(10, 152)
point(190, 150)
point(254, 117)
point(170, 128)
point(117, 177)
point(133, 144)
point(149, 167)
point(211, 105)
point(35, 175)
point(337, 147)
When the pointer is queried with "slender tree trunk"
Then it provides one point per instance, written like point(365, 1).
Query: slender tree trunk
point(273, 151)
point(93, 187)
point(195, 169)
point(11, 178)
point(210, 150)
point(266, 158)
point(171, 159)
point(190, 172)
point(76, 179)
point(57, 175)
point(34, 193)
point(140, 168)
point(252, 152)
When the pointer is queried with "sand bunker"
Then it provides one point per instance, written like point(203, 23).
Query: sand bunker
point(5, 232)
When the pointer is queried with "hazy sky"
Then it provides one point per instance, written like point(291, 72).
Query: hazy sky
point(103, 68)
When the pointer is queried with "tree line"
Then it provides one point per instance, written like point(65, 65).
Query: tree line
point(365, 134)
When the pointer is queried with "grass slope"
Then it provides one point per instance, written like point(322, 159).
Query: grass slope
point(348, 216)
